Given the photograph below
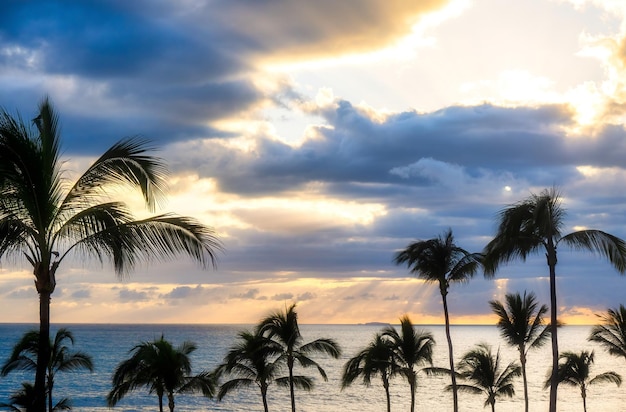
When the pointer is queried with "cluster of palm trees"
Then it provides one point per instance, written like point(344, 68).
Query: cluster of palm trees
point(533, 225)
point(521, 325)
point(45, 219)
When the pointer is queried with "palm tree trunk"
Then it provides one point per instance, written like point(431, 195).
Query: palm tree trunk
point(493, 406)
point(264, 397)
point(455, 398)
point(583, 393)
point(160, 402)
point(43, 353)
point(386, 386)
point(522, 361)
point(170, 401)
point(554, 379)
point(50, 385)
point(412, 385)
point(291, 388)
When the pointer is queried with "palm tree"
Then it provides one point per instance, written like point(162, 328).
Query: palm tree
point(43, 218)
point(163, 369)
point(440, 261)
point(483, 370)
point(377, 358)
point(411, 348)
point(254, 360)
point(611, 334)
point(574, 371)
point(534, 225)
point(521, 325)
point(24, 357)
point(283, 327)
point(21, 400)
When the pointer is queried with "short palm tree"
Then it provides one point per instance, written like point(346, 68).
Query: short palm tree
point(61, 359)
point(574, 371)
point(163, 369)
point(611, 334)
point(44, 217)
point(521, 324)
point(441, 261)
point(283, 328)
point(535, 225)
point(21, 400)
point(484, 374)
point(377, 358)
point(411, 348)
point(254, 360)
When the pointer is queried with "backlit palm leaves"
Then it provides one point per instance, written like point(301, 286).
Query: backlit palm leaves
point(521, 325)
point(254, 360)
point(162, 369)
point(378, 358)
point(535, 225)
point(611, 334)
point(24, 357)
point(283, 328)
point(441, 261)
point(484, 374)
point(411, 349)
point(574, 371)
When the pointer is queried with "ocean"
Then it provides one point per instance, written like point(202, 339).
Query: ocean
point(110, 344)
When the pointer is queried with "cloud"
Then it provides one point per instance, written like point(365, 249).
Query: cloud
point(129, 295)
point(81, 294)
point(250, 294)
point(282, 296)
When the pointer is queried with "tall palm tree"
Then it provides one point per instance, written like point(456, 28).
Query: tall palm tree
point(411, 349)
point(377, 358)
point(43, 217)
point(441, 261)
point(283, 328)
point(521, 325)
point(534, 225)
point(61, 359)
point(574, 371)
point(163, 369)
point(254, 360)
point(483, 370)
point(611, 334)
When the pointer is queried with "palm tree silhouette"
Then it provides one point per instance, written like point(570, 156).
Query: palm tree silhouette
point(611, 334)
point(163, 369)
point(574, 371)
point(254, 360)
point(533, 225)
point(22, 399)
point(480, 367)
point(521, 325)
point(377, 358)
point(283, 328)
point(43, 218)
point(61, 359)
point(440, 261)
point(411, 349)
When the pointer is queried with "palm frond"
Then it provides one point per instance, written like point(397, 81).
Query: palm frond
point(607, 377)
point(233, 385)
point(126, 163)
point(597, 241)
point(156, 238)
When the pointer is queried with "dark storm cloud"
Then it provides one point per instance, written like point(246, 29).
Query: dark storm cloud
point(357, 150)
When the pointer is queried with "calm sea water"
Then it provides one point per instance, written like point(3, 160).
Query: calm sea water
point(109, 344)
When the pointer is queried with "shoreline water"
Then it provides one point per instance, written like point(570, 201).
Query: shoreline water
point(108, 344)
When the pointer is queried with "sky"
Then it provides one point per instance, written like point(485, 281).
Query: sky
point(320, 138)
